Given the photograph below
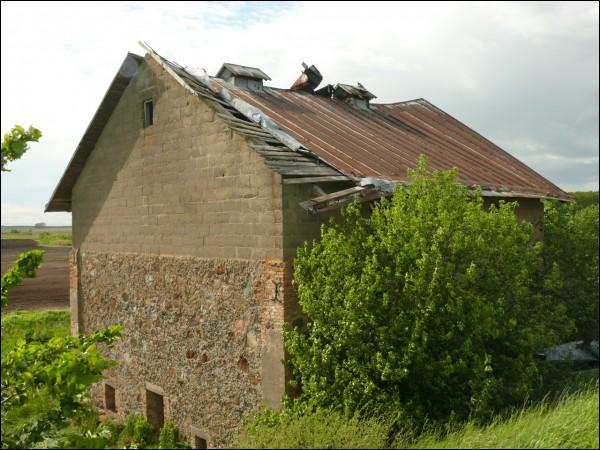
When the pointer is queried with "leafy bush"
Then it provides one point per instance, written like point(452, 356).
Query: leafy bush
point(320, 429)
point(169, 437)
point(138, 433)
point(585, 198)
point(25, 267)
point(426, 308)
point(571, 259)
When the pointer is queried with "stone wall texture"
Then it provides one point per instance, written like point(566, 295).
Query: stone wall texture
point(204, 333)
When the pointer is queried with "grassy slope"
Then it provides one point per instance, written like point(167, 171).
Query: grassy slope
point(16, 324)
point(571, 423)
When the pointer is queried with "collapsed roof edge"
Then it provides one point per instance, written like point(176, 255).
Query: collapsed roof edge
point(251, 112)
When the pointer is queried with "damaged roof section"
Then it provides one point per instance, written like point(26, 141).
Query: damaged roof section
point(227, 70)
point(387, 139)
point(331, 134)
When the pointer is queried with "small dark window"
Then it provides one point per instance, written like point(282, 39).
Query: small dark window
point(148, 113)
point(199, 442)
point(155, 410)
point(109, 398)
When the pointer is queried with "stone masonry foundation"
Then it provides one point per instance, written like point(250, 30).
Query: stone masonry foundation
point(203, 333)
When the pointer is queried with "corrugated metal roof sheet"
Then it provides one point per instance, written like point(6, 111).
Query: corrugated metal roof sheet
point(388, 139)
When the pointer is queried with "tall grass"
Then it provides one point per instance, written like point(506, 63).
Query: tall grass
point(321, 429)
point(572, 422)
point(569, 422)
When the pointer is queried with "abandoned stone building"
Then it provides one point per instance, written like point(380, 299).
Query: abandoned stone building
point(189, 196)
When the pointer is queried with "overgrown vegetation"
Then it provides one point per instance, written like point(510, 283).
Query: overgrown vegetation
point(572, 422)
point(571, 263)
point(584, 198)
point(45, 378)
point(323, 428)
point(36, 423)
point(569, 422)
point(16, 325)
point(438, 301)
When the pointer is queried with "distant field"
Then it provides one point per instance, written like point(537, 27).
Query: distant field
point(47, 236)
point(50, 289)
point(28, 228)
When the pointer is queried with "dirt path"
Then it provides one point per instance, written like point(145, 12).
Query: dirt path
point(50, 289)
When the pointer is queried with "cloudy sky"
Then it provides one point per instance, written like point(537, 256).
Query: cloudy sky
point(525, 75)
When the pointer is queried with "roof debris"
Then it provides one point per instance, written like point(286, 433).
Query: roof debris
point(308, 80)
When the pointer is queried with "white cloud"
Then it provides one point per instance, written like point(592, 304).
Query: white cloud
point(510, 70)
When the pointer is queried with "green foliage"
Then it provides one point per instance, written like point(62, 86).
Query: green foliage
point(426, 308)
point(25, 267)
point(319, 429)
point(18, 324)
point(138, 433)
point(169, 437)
point(571, 266)
point(65, 366)
point(572, 422)
point(61, 368)
point(16, 143)
point(585, 198)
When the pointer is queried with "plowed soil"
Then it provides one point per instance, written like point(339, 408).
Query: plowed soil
point(50, 289)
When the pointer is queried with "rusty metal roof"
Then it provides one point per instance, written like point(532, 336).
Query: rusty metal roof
point(386, 140)
point(332, 140)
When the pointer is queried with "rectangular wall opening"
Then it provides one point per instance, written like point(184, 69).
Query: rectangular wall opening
point(155, 409)
point(148, 113)
point(110, 403)
point(199, 442)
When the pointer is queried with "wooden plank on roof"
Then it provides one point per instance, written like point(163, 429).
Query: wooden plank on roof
point(249, 127)
point(251, 133)
point(326, 179)
point(281, 148)
point(237, 120)
point(281, 153)
point(282, 163)
point(306, 171)
point(338, 194)
point(293, 157)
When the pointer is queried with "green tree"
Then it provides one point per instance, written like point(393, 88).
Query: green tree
point(58, 370)
point(16, 143)
point(571, 258)
point(426, 308)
